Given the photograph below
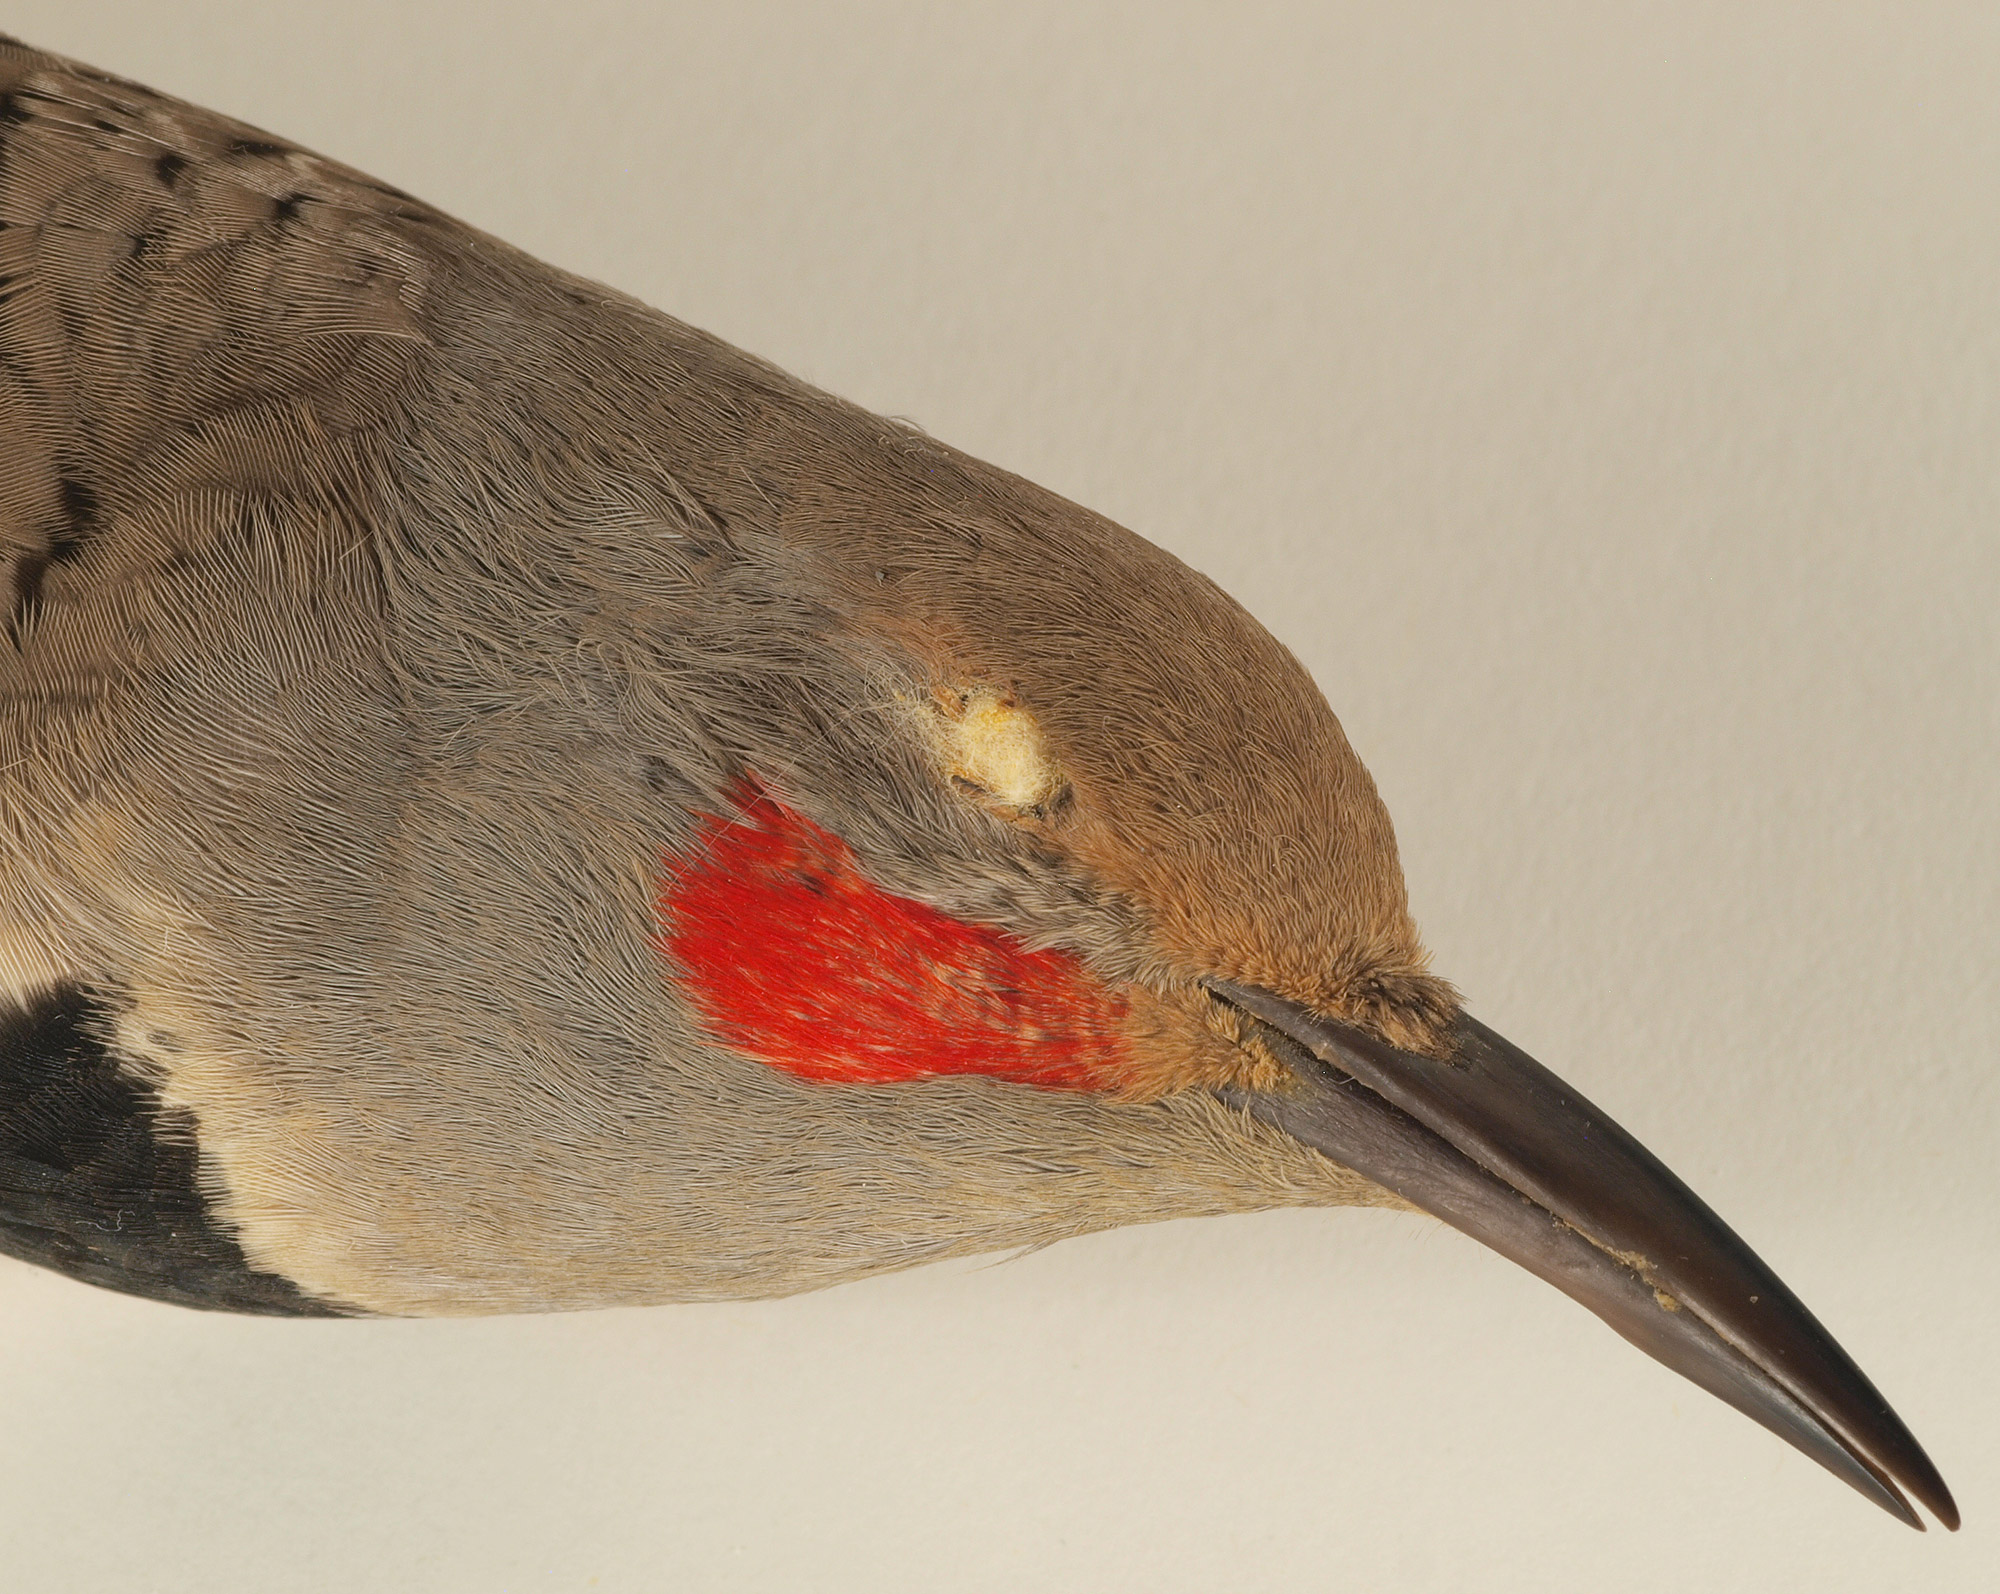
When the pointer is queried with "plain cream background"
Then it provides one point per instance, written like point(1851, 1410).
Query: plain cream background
point(1602, 401)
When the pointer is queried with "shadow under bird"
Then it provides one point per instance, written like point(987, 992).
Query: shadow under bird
point(508, 803)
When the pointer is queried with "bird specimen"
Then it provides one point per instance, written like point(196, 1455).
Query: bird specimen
point(508, 803)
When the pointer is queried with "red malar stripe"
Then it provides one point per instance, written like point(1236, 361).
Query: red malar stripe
point(795, 957)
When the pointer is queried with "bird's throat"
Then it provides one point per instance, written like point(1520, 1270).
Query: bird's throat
point(792, 955)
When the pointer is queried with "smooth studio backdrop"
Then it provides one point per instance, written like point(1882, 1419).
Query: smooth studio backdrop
point(1601, 400)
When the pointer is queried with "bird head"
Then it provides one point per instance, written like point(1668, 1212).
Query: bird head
point(1108, 783)
point(559, 813)
point(1051, 811)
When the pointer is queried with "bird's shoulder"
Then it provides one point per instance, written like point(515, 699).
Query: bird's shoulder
point(192, 313)
point(201, 328)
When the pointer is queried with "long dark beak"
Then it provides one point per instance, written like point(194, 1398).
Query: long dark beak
point(1497, 1146)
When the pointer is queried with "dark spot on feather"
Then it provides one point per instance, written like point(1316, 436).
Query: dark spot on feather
point(79, 507)
point(168, 166)
point(716, 518)
point(99, 1179)
point(287, 209)
point(142, 241)
point(12, 111)
point(66, 543)
point(29, 569)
